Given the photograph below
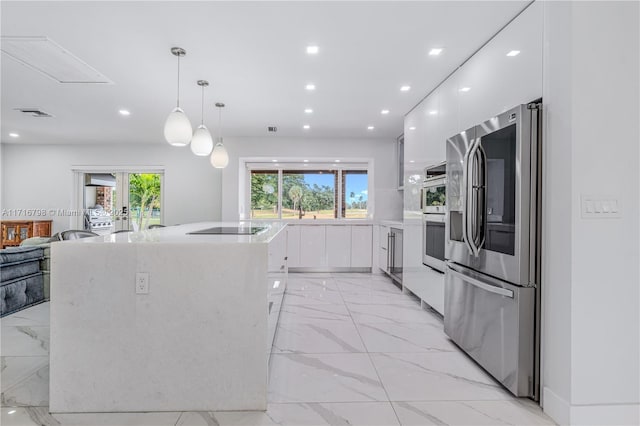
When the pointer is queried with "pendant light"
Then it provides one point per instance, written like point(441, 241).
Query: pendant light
point(177, 128)
point(219, 157)
point(201, 143)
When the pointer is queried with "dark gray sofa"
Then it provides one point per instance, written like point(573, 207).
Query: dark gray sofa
point(21, 280)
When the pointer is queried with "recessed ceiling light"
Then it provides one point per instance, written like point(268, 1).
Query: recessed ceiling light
point(405, 88)
point(435, 51)
point(513, 53)
point(412, 161)
point(308, 111)
point(465, 89)
point(306, 127)
point(337, 161)
point(310, 86)
point(370, 128)
point(11, 412)
point(312, 50)
point(435, 112)
point(275, 161)
point(14, 135)
point(384, 111)
point(412, 128)
point(306, 161)
point(124, 112)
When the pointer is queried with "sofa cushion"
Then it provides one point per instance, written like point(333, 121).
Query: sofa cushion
point(21, 293)
point(13, 255)
point(19, 270)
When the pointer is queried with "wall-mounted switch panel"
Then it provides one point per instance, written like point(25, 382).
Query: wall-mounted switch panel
point(596, 207)
point(142, 283)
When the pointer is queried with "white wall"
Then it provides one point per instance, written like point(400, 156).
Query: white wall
point(387, 199)
point(40, 177)
point(591, 277)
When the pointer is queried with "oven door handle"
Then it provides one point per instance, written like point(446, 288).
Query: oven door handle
point(480, 284)
point(422, 194)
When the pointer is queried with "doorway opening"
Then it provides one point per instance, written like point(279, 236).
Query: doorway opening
point(113, 201)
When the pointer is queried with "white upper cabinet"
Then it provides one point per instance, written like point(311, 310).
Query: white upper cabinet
point(448, 117)
point(498, 82)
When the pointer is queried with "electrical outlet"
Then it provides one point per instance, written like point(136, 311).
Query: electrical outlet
point(142, 283)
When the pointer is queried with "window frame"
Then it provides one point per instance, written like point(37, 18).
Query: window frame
point(314, 165)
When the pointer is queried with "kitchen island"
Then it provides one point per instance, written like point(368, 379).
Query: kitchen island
point(165, 320)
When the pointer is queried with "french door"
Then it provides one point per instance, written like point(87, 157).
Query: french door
point(112, 201)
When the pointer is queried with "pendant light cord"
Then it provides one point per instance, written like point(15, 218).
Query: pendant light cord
point(220, 124)
point(202, 108)
point(178, 96)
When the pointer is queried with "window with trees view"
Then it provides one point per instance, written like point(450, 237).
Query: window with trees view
point(308, 194)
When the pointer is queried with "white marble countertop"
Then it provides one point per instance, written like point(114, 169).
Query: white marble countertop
point(179, 234)
point(394, 223)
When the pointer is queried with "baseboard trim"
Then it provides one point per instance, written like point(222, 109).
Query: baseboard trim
point(601, 414)
point(555, 407)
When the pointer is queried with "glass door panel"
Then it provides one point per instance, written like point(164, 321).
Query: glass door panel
point(500, 149)
point(144, 200)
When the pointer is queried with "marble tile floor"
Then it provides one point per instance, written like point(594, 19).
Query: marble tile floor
point(351, 349)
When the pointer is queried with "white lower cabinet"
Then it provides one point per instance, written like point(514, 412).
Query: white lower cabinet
point(293, 246)
point(312, 246)
point(326, 247)
point(383, 253)
point(338, 241)
point(361, 246)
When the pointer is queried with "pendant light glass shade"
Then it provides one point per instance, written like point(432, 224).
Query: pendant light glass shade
point(219, 157)
point(201, 143)
point(177, 128)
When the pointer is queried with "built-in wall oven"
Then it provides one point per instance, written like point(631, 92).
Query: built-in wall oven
point(492, 275)
point(433, 216)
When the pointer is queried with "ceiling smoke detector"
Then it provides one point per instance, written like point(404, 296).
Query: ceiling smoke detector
point(35, 112)
point(272, 129)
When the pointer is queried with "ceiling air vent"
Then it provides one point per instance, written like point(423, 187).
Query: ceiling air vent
point(49, 58)
point(35, 112)
point(272, 129)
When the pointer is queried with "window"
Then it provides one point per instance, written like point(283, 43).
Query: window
point(314, 193)
point(264, 194)
point(308, 194)
point(355, 194)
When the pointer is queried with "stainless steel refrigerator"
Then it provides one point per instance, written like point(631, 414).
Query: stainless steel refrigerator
point(492, 274)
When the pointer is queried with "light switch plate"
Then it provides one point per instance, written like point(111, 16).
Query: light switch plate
point(599, 207)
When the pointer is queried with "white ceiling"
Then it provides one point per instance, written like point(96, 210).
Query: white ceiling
point(252, 53)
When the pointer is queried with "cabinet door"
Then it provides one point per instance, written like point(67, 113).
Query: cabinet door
point(383, 242)
point(41, 229)
point(277, 253)
point(293, 246)
point(312, 246)
point(361, 242)
point(24, 232)
point(338, 245)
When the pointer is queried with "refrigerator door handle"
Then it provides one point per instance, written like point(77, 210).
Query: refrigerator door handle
point(477, 283)
point(480, 190)
point(471, 199)
point(465, 198)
